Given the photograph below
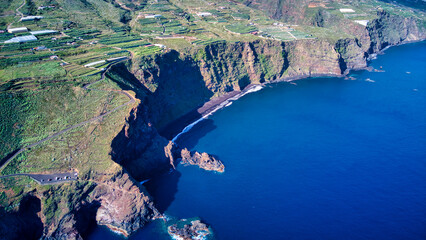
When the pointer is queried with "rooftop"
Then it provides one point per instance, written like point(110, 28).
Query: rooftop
point(347, 10)
point(20, 29)
point(40, 32)
point(22, 39)
point(29, 18)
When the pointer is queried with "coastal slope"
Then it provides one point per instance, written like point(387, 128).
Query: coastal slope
point(168, 81)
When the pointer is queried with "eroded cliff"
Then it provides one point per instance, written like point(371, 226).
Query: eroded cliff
point(171, 84)
point(71, 210)
point(182, 81)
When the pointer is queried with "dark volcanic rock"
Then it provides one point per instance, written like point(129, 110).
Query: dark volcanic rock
point(388, 30)
point(23, 224)
point(171, 151)
point(139, 148)
point(203, 160)
point(194, 230)
point(117, 201)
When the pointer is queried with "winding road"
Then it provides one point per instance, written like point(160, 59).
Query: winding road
point(18, 12)
point(86, 87)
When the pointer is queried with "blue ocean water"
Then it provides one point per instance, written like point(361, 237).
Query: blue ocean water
point(327, 158)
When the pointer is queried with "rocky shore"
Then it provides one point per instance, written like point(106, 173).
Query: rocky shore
point(171, 85)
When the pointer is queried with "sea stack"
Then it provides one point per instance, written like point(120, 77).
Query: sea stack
point(203, 160)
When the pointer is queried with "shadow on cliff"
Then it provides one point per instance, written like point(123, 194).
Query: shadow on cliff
point(85, 217)
point(180, 90)
point(126, 80)
point(138, 147)
point(24, 224)
point(163, 188)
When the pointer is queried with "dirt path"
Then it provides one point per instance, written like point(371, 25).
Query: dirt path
point(18, 12)
point(99, 117)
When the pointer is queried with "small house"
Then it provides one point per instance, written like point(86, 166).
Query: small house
point(204, 14)
point(347, 10)
point(17, 30)
point(153, 16)
point(40, 48)
point(21, 39)
point(31, 18)
point(43, 32)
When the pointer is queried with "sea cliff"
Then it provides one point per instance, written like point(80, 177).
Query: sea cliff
point(175, 82)
point(178, 82)
point(69, 211)
point(170, 85)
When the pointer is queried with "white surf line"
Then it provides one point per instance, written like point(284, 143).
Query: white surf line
point(224, 104)
point(144, 181)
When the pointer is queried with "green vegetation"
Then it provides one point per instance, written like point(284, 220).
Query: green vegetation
point(46, 69)
point(42, 82)
point(148, 50)
point(241, 28)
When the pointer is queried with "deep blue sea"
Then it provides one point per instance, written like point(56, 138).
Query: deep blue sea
point(327, 158)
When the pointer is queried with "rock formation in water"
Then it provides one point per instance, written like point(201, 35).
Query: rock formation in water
point(173, 83)
point(186, 230)
point(202, 160)
point(169, 86)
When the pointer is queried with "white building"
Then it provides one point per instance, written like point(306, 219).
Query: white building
point(31, 18)
point(362, 22)
point(204, 14)
point(116, 59)
point(153, 16)
point(21, 39)
point(160, 45)
point(17, 30)
point(94, 63)
point(42, 32)
point(347, 10)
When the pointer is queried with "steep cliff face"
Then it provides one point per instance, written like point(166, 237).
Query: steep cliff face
point(177, 82)
point(352, 55)
point(123, 205)
point(115, 201)
point(390, 29)
point(182, 81)
point(312, 57)
point(69, 211)
point(232, 66)
point(168, 76)
point(138, 147)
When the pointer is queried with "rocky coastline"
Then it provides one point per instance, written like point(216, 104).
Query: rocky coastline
point(172, 85)
point(241, 69)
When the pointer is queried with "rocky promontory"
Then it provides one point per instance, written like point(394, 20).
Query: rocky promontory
point(202, 160)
